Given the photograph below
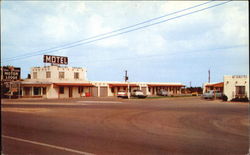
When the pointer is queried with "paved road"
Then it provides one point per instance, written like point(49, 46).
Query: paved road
point(113, 126)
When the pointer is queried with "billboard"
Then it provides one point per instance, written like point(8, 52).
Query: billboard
point(10, 73)
point(55, 59)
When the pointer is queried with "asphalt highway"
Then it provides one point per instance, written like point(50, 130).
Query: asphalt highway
point(187, 125)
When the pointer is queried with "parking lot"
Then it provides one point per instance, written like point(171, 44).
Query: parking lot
point(181, 125)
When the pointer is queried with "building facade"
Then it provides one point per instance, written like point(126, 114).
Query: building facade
point(213, 86)
point(71, 82)
point(233, 86)
point(236, 86)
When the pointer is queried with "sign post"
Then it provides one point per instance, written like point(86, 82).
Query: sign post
point(19, 93)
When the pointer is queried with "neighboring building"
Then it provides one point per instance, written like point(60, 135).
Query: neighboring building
point(190, 90)
point(236, 86)
point(233, 86)
point(71, 82)
point(213, 86)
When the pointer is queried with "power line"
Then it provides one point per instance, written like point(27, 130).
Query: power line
point(51, 51)
point(114, 30)
point(168, 54)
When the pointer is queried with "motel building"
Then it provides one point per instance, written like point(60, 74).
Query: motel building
point(71, 82)
point(233, 86)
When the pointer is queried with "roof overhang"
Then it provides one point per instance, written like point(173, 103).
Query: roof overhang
point(74, 84)
point(166, 85)
point(221, 84)
point(35, 84)
point(122, 85)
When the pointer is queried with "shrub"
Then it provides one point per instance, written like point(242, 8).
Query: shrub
point(237, 99)
point(224, 97)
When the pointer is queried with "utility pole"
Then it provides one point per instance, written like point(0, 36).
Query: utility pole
point(126, 76)
point(126, 80)
point(209, 76)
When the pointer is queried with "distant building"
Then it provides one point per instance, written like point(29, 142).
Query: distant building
point(190, 90)
point(72, 82)
point(213, 86)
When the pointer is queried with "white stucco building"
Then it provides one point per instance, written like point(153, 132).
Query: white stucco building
point(236, 86)
point(72, 82)
point(232, 86)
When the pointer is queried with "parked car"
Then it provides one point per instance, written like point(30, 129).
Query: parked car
point(212, 94)
point(138, 93)
point(122, 94)
point(162, 92)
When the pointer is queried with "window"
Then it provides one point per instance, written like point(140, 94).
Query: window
point(34, 75)
point(76, 75)
point(37, 91)
point(61, 90)
point(240, 90)
point(48, 75)
point(61, 75)
point(44, 90)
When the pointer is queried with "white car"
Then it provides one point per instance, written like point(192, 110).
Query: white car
point(211, 94)
point(163, 92)
point(138, 93)
point(122, 94)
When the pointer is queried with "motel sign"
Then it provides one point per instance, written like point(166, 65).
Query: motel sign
point(55, 59)
point(10, 73)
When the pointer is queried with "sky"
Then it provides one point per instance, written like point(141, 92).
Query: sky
point(181, 47)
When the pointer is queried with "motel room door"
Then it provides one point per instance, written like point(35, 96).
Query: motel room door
point(70, 92)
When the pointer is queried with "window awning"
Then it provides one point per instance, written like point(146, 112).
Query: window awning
point(74, 84)
point(122, 85)
point(166, 85)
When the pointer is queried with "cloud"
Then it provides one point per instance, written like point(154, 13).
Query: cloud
point(70, 8)
point(59, 28)
point(96, 27)
point(148, 43)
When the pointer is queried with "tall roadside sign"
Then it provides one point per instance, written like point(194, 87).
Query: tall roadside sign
point(10, 73)
point(10, 80)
